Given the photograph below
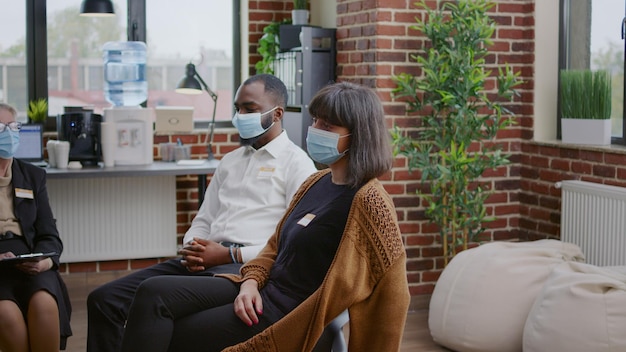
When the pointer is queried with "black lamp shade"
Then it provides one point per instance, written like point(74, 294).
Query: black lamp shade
point(189, 84)
point(96, 8)
point(192, 83)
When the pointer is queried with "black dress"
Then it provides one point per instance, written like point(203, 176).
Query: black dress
point(39, 234)
point(308, 243)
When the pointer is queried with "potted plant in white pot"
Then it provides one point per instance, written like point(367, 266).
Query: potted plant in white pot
point(585, 107)
point(300, 13)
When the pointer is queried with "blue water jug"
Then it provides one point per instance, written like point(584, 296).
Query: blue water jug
point(125, 81)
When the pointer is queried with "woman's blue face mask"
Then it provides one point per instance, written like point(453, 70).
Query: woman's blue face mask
point(322, 145)
point(9, 141)
point(249, 125)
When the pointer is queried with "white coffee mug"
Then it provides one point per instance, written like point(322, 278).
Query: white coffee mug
point(51, 148)
point(62, 153)
point(108, 143)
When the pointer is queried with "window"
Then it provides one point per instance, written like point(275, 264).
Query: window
point(196, 31)
point(13, 83)
point(75, 76)
point(591, 38)
point(68, 69)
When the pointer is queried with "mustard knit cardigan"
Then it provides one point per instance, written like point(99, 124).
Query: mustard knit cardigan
point(367, 276)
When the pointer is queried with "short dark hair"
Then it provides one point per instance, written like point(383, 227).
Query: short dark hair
point(273, 85)
point(359, 109)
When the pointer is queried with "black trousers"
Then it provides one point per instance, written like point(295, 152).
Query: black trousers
point(175, 313)
point(109, 304)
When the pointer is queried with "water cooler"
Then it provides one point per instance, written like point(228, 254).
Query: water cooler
point(128, 132)
point(127, 127)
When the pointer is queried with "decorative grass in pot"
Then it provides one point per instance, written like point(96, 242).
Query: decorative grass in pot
point(585, 106)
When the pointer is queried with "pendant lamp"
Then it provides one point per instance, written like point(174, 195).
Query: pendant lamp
point(97, 8)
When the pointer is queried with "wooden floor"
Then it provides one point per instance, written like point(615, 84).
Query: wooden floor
point(416, 334)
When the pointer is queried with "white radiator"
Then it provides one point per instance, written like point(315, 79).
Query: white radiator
point(593, 216)
point(115, 218)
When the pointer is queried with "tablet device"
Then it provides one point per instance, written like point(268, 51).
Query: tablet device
point(29, 257)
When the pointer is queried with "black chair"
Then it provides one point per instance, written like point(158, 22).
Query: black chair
point(332, 339)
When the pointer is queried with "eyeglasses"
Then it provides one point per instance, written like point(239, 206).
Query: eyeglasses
point(13, 126)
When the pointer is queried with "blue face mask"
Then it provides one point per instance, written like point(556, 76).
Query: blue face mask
point(322, 145)
point(249, 125)
point(9, 141)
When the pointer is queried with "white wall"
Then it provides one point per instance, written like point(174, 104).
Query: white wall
point(546, 69)
point(324, 13)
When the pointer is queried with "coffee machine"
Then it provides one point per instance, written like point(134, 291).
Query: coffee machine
point(81, 127)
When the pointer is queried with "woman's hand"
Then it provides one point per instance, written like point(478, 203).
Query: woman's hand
point(248, 304)
point(7, 255)
point(35, 267)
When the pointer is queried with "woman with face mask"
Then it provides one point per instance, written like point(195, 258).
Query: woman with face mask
point(34, 305)
point(337, 247)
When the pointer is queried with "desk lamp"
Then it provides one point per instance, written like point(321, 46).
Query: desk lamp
point(192, 83)
point(97, 8)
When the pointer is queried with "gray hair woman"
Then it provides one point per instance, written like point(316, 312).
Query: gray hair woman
point(34, 304)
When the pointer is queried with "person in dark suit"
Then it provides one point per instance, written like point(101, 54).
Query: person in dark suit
point(34, 304)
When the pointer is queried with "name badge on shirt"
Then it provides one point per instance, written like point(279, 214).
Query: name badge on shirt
point(24, 193)
point(306, 220)
point(265, 171)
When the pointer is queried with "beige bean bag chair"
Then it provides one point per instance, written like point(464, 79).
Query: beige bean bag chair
point(482, 299)
point(581, 308)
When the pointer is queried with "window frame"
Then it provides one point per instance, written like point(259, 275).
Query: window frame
point(563, 63)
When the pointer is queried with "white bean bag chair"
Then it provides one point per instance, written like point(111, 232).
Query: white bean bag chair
point(580, 308)
point(482, 299)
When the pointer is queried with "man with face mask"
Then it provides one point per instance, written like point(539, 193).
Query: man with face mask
point(249, 192)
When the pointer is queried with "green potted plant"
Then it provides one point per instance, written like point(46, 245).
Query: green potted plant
point(269, 46)
point(453, 141)
point(38, 113)
point(585, 97)
point(38, 110)
point(300, 12)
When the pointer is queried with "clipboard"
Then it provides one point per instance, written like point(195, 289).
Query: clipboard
point(29, 257)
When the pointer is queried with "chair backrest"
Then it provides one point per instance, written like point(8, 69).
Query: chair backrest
point(333, 339)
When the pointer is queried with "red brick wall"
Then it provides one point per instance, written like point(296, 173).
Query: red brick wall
point(546, 164)
point(375, 42)
point(261, 14)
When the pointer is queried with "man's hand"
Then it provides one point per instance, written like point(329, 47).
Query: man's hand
point(200, 254)
point(248, 304)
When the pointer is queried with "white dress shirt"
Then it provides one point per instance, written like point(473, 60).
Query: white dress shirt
point(249, 194)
